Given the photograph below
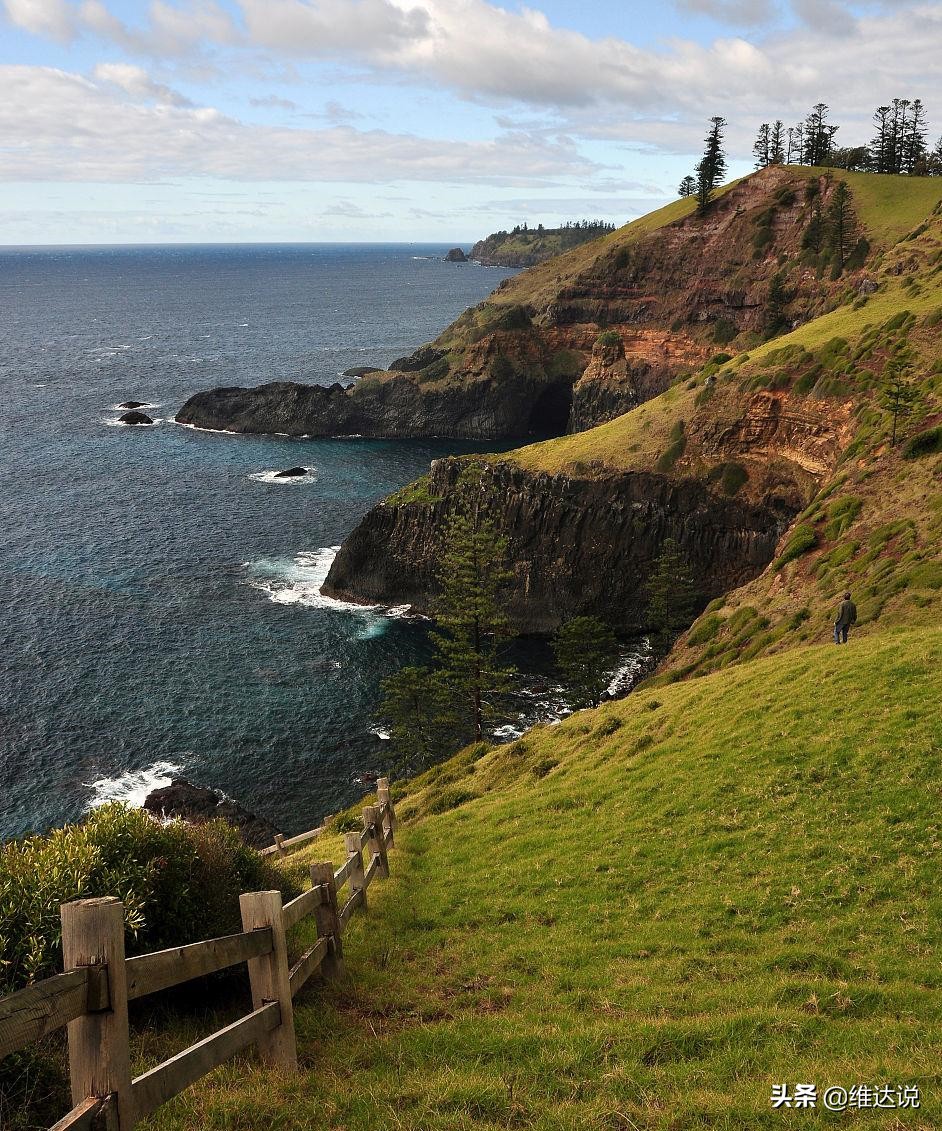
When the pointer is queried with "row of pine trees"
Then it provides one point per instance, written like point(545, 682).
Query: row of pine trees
point(900, 145)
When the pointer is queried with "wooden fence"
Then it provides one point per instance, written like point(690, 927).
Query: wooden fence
point(91, 997)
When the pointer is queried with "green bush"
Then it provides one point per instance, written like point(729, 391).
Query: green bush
point(734, 476)
point(803, 539)
point(608, 338)
point(449, 799)
point(926, 575)
point(842, 514)
point(704, 632)
point(515, 317)
point(668, 458)
point(179, 883)
point(724, 331)
point(923, 444)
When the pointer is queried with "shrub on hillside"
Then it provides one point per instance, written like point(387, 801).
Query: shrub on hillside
point(179, 883)
point(923, 444)
point(803, 539)
point(842, 514)
point(678, 443)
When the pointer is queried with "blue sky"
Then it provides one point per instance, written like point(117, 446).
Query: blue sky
point(231, 120)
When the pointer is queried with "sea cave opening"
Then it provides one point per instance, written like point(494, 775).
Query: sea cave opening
point(551, 410)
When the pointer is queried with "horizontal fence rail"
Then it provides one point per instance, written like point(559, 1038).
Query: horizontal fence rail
point(91, 997)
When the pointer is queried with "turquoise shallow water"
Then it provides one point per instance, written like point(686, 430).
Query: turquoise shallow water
point(158, 592)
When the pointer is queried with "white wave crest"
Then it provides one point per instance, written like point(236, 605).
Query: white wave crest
point(133, 786)
point(299, 582)
point(274, 477)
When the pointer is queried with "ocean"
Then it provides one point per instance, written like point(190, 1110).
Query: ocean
point(159, 589)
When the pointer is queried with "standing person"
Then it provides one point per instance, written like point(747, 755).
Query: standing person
point(846, 616)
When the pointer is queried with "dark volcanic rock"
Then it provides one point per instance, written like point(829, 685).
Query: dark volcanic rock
point(361, 371)
point(291, 473)
point(196, 805)
point(489, 406)
point(135, 418)
point(456, 255)
point(576, 546)
point(132, 404)
point(423, 357)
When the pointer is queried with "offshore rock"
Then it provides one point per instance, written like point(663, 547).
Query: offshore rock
point(136, 418)
point(196, 804)
point(361, 370)
point(456, 255)
point(577, 546)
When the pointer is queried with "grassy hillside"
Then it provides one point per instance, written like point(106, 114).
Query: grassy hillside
point(645, 917)
point(887, 208)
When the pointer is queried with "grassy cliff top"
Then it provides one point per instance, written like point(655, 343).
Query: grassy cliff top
point(888, 207)
point(645, 917)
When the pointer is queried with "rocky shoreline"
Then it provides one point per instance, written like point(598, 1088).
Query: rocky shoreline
point(197, 804)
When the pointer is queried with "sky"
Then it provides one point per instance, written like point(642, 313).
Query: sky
point(179, 121)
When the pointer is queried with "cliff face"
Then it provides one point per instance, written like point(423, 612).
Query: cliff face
point(508, 388)
point(523, 363)
point(576, 546)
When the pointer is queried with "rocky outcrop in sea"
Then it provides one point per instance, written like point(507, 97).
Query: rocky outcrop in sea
point(196, 804)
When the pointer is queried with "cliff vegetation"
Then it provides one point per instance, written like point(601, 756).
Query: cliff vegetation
point(525, 246)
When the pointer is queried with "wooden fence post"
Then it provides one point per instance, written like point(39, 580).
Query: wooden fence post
point(327, 917)
point(280, 843)
point(269, 978)
point(99, 1042)
point(377, 843)
point(355, 853)
point(385, 807)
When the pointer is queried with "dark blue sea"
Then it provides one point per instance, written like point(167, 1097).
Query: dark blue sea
point(159, 591)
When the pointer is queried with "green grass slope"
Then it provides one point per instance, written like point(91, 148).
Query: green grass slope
point(887, 208)
point(646, 916)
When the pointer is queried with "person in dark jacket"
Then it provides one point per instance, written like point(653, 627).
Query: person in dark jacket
point(846, 616)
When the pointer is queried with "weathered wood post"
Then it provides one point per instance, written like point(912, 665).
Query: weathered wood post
point(377, 842)
point(280, 843)
point(355, 853)
point(327, 917)
point(269, 976)
point(99, 1042)
point(385, 808)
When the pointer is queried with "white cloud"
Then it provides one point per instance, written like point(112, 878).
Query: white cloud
point(829, 16)
point(53, 18)
point(62, 126)
point(323, 27)
point(743, 13)
point(136, 82)
point(592, 89)
point(168, 31)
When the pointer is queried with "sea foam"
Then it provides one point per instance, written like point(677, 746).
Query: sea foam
point(133, 786)
point(299, 582)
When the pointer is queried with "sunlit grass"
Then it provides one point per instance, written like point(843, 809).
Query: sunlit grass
point(647, 916)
